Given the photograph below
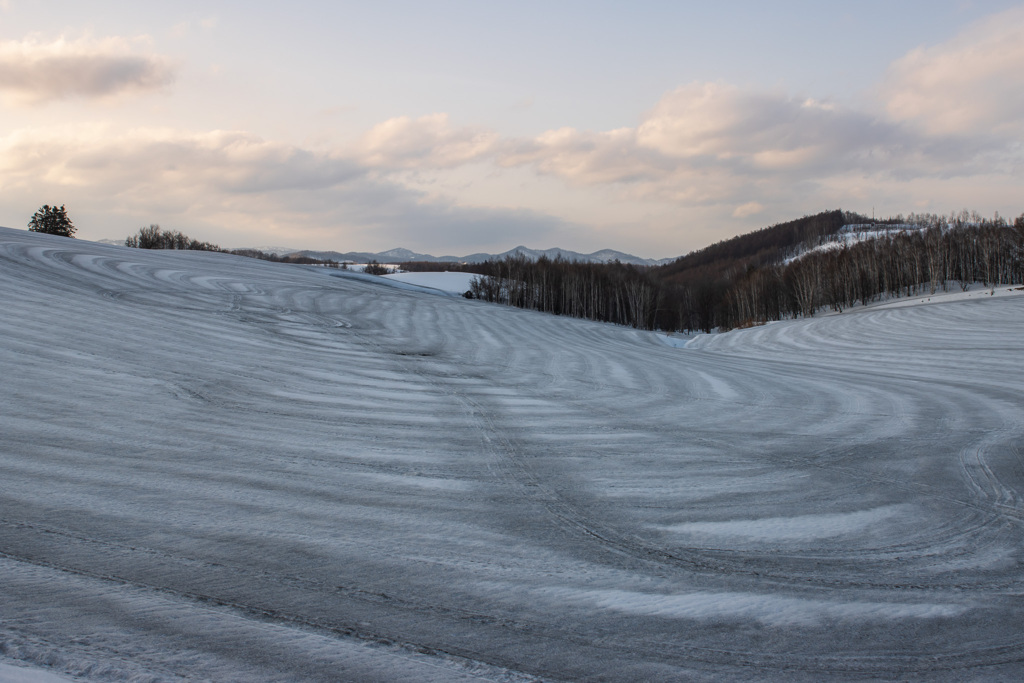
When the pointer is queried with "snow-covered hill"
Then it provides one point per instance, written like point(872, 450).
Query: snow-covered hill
point(853, 234)
point(221, 468)
point(450, 283)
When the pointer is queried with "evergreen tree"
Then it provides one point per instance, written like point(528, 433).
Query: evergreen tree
point(53, 221)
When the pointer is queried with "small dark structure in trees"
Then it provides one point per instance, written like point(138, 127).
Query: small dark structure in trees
point(53, 221)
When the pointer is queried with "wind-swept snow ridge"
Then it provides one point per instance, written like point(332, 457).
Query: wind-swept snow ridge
point(222, 468)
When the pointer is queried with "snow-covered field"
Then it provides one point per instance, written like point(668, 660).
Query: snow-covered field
point(224, 469)
point(452, 283)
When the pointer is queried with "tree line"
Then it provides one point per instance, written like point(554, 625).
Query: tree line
point(759, 277)
point(154, 237)
point(926, 257)
point(608, 292)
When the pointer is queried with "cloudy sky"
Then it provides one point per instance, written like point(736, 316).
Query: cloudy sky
point(451, 127)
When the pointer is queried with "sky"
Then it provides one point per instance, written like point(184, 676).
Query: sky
point(654, 128)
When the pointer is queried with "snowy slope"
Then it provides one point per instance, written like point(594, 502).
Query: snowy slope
point(851, 235)
point(220, 468)
point(24, 674)
point(452, 283)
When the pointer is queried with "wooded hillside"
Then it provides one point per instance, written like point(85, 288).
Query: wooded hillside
point(790, 269)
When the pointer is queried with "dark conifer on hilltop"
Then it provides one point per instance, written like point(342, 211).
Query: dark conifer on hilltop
point(52, 220)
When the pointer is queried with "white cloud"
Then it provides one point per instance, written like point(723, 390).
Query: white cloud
point(230, 185)
point(231, 161)
point(716, 143)
point(32, 71)
point(702, 119)
point(425, 142)
point(748, 209)
point(714, 123)
point(955, 110)
point(970, 85)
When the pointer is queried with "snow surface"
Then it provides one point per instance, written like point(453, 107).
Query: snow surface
point(854, 234)
point(776, 529)
point(20, 674)
point(453, 283)
point(219, 468)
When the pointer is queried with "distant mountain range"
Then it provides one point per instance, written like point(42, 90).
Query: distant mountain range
point(400, 255)
point(276, 251)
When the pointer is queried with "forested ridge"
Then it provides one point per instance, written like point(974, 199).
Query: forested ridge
point(830, 260)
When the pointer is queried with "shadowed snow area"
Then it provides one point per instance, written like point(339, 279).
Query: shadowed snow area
point(220, 468)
